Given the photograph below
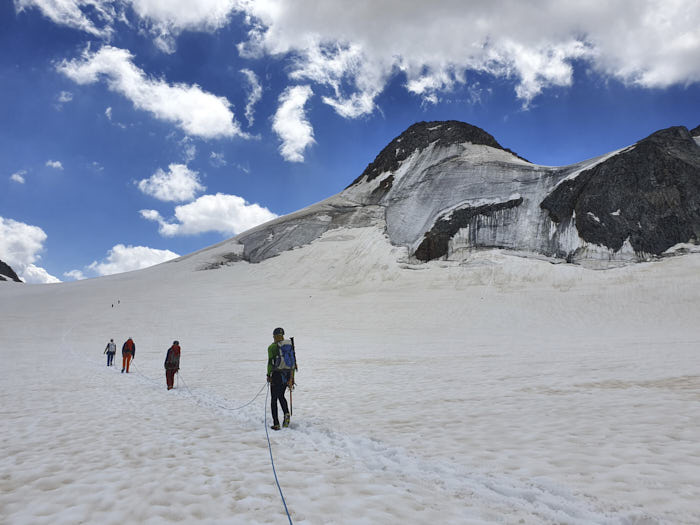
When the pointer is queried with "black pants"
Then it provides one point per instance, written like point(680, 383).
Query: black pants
point(278, 385)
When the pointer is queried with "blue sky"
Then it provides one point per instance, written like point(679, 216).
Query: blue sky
point(132, 131)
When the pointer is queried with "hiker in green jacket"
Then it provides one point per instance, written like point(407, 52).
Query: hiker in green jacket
point(278, 381)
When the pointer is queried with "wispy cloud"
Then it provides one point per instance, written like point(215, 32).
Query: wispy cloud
point(65, 96)
point(167, 19)
point(227, 214)
point(92, 16)
point(193, 110)
point(178, 184)
point(55, 164)
point(76, 275)
point(291, 125)
point(18, 176)
point(254, 95)
point(217, 160)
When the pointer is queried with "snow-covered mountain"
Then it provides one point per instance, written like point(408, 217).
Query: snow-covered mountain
point(443, 189)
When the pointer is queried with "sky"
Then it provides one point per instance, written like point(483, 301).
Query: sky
point(134, 131)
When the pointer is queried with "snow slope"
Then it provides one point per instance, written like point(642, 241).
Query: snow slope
point(496, 390)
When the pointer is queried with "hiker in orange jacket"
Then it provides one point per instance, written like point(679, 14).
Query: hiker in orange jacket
point(128, 353)
point(172, 363)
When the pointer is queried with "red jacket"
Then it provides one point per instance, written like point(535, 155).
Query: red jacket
point(172, 358)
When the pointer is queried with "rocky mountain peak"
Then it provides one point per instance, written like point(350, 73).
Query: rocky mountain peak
point(418, 137)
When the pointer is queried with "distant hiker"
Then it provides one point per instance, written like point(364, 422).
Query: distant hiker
point(172, 363)
point(280, 369)
point(110, 350)
point(128, 353)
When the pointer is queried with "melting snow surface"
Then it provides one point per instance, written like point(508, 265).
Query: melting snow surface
point(496, 390)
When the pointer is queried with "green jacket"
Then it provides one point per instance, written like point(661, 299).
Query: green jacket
point(272, 352)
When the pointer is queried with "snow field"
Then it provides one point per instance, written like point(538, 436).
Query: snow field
point(492, 390)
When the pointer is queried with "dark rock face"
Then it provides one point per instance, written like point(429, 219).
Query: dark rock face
point(418, 137)
point(6, 271)
point(436, 241)
point(695, 132)
point(649, 194)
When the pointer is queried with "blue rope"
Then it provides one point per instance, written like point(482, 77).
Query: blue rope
point(269, 446)
point(217, 404)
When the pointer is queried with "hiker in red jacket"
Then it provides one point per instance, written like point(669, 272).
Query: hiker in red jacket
point(172, 363)
point(128, 353)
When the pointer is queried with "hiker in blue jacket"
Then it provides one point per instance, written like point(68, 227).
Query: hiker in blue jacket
point(278, 380)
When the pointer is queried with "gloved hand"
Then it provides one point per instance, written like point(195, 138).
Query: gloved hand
point(268, 379)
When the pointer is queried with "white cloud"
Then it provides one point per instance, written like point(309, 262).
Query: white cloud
point(193, 110)
point(20, 245)
point(36, 275)
point(92, 16)
point(205, 15)
point(168, 18)
point(254, 96)
point(108, 113)
point(178, 184)
point(18, 176)
point(127, 258)
point(352, 52)
point(55, 164)
point(227, 214)
point(76, 275)
point(291, 125)
point(355, 51)
point(65, 96)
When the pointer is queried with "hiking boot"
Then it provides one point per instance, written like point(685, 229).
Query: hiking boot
point(122, 370)
point(285, 423)
point(275, 427)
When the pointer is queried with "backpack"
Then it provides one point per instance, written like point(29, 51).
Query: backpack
point(285, 359)
point(173, 357)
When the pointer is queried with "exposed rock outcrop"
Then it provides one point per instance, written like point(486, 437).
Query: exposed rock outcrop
point(436, 241)
point(648, 194)
point(7, 273)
